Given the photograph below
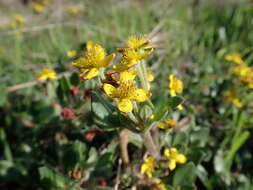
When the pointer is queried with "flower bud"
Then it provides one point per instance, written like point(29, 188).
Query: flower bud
point(67, 114)
point(102, 182)
point(74, 91)
point(90, 135)
point(87, 94)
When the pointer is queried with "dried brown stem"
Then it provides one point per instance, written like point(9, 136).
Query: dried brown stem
point(123, 142)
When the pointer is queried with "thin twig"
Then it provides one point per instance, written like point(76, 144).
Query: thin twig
point(33, 83)
point(116, 187)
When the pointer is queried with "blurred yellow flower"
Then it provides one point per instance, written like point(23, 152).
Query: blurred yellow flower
point(38, 8)
point(18, 22)
point(19, 18)
point(230, 95)
point(174, 157)
point(234, 57)
point(150, 76)
point(148, 166)
point(170, 123)
point(241, 70)
point(137, 42)
point(137, 48)
point(71, 53)
point(94, 59)
point(175, 85)
point(47, 73)
point(130, 57)
point(159, 185)
point(126, 92)
point(180, 107)
point(73, 11)
point(45, 2)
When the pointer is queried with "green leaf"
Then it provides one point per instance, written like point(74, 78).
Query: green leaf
point(51, 178)
point(74, 79)
point(104, 114)
point(145, 112)
point(236, 144)
point(5, 165)
point(180, 138)
point(3, 96)
point(200, 137)
point(74, 155)
point(175, 101)
point(185, 175)
point(7, 149)
point(219, 162)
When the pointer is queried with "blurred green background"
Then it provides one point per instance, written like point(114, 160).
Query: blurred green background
point(191, 39)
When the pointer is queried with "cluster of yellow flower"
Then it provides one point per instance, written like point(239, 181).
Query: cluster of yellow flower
point(46, 74)
point(245, 75)
point(176, 86)
point(73, 10)
point(171, 154)
point(119, 82)
point(18, 22)
point(39, 6)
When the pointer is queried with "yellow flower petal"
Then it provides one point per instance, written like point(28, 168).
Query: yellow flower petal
point(172, 164)
point(180, 107)
point(166, 152)
point(234, 57)
point(90, 74)
point(89, 45)
point(109, 90)
point(150, 76)
point(129, 74)
point(181, 159)
point(47, 73)
point(107, 60)
point(141, 95)
point(125, 105)
point(71, 53)
point(176, 86)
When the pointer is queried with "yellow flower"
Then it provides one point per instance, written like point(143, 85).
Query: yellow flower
point(38, 8)
point(126, 92)
point(241, 70)
point(130, 57)
point(137, 42)
point(71, 53)
point(47, 73)
point(174, 157)
point(19, 18)
point(18, 22)
point(45, 2)
point(175, 85)
point(150, 76)
point(137, 48)
point(148, 166)
point(159, 185)
point(230, 95)
point(170, 123)
point(94, 59)
point(180, 107)
point(73, 11)
point(234, 57)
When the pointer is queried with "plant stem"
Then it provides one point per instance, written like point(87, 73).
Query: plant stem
point(149, 144)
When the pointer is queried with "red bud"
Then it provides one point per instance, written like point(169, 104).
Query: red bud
point(102, 182)
point(89, 135)
point(74, 91)
point(67, 113)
